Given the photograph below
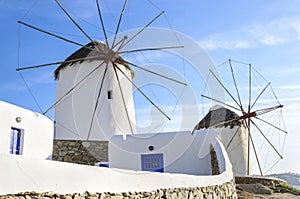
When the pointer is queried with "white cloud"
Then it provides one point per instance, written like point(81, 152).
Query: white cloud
point(276, 32)
point(286, 70)
point(290, 87)
point(270, 40)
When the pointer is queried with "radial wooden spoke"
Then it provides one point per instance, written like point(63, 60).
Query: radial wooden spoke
point(266, 139)
point(140, 31)
point(122, 95)
point(60, 62)
point(210, 98)
point(120, 44)
point(149, 49)
point(235, 85)
point(74, 22)
point(97, 102)
point(247, 125)
point(271, 125)
point(256, 155)
point(222, 85)
point(72, 89)
point(52, 34)
point(143, 93)
point(250, 88)
point(257, 98)
point(229, 143)
point(157, 74)
point(267, 110)
point(119, 22)
point(102, 23)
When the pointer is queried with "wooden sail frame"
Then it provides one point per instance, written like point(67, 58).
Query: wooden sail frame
point(248, 114)
point(114, 50)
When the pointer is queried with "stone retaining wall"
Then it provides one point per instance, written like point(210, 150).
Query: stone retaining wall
point(269, 182)
point(80, 152)
point(225, 191)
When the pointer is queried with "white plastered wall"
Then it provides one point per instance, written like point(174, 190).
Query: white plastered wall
point(36, 128)
point(237, 149)
point(73, 115)
point(182, 151)
point(23, 174)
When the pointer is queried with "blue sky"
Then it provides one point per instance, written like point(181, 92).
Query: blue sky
point(264, 33)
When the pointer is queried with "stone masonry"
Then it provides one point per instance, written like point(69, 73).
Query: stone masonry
point(224, 191)
point(80, 152)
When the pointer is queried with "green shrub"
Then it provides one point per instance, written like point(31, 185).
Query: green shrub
point(290, 188)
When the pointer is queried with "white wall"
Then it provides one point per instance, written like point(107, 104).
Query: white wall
point(74, 114)
point(22, 174)
point(182, 151)
point(237, 150)
point(37, 129)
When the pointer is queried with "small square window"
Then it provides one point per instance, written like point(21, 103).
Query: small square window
point(16, 141)
point(109, 94)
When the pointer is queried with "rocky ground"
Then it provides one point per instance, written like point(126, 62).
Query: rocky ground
point(258, 191)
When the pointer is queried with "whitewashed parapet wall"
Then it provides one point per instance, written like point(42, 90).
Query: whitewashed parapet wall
point(23, 174)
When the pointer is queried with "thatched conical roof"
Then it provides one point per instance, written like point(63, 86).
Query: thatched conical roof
point(219, 117)
point(95, 49)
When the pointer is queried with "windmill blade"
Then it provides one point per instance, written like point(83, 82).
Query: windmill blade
point(97, 102)
point(149, 49)
point(120, 43)
point(247, 125)
point(250, 88)
point(222, 85)
point(53, 35)
point(276, 127)
point(119, 22)
point(72, 89)
point(260, 95)
point(266, 139)
point(256, 155)
point(139, 32)
point(60, 62)
point(76, 24)
point(143, 94)
point(230, 141)
point(235, 85)
point(267, 110)
point(250, 140)
point(122, 95)
point(102, 23)
point(155, 73)
point(210, 98)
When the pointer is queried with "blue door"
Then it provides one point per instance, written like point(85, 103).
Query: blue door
point(15, 141)
point(153, 162)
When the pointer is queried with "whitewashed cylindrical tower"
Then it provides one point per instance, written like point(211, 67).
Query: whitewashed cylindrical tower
point(81, 112)
point(232, 134)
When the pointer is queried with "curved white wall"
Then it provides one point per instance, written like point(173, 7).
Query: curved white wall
point(74, 114)
point(26, 174)
point(37, 130)
point(182, 152)
point(237, 149)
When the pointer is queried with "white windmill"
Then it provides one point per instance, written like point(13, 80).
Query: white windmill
point(94, 98)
